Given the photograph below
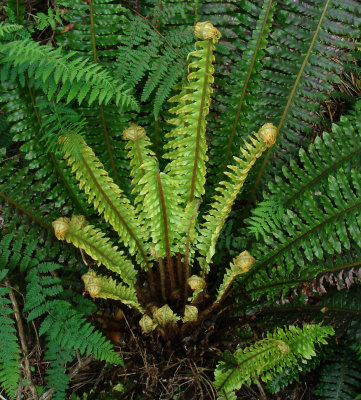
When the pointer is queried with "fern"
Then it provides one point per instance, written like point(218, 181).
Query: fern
point(325, 214)
point(187, 147)
point(80, 78)
point(9, 352)
point(340, 377)
point(268, 356)
point(266, 218)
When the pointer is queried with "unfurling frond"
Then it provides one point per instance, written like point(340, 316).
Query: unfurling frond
point(267, 357)
point(187, 147)
point(228, 191)
point(98, 247)
point(240, 265)
point(107, 288)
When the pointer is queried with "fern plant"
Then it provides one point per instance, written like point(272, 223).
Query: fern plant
point(159, 251)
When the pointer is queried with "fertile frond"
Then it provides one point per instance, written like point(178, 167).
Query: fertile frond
point(187, 147)
point(108, 199)
point(98, 247)
point(267, 357)
point(79, 77)
point(9, 349)
point(107, 288)
point(220, 209)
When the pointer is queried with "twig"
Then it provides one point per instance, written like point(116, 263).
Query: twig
point(23, 344)
point(260, 388)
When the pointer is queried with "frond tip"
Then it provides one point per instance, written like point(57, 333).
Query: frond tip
point(206, 30)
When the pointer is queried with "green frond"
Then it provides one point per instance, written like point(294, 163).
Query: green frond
point(228, 191)
point(266, 218)
point(267, 357)
point(98, 247)
point(241, 86)
point(322, 219)
point(107, 288)
point(156, 199)
point(337, 149)
point(9, 349)
point(5, 29)
point(99, 25)
point(45, 172)
point(107, 198)
point(79, 77)
point(62, 322)
point(293, 87)
point(187, 146)
point(56, 376)
point(340, 377)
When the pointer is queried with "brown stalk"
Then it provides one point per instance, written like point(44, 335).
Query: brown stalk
point(24, 346)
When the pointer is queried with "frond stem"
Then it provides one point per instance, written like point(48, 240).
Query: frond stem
point(166, 236)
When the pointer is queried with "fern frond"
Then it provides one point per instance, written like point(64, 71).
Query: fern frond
point(241, 92)
point(107, 288)
point(220, 209)
point(56, 376)
point(9, 349)
point(187, 147)
point(48, 67)
point(62, 323)
point(340, 377)
point(266, 218)
point(329, 220)
point(338, 149)
point(266, 357)
point(5, 29)
point(108, 199)
point(312, 33)
point(98, 247)
point(155, 194)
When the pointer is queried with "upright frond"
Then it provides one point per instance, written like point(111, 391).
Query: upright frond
point(187, 147)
